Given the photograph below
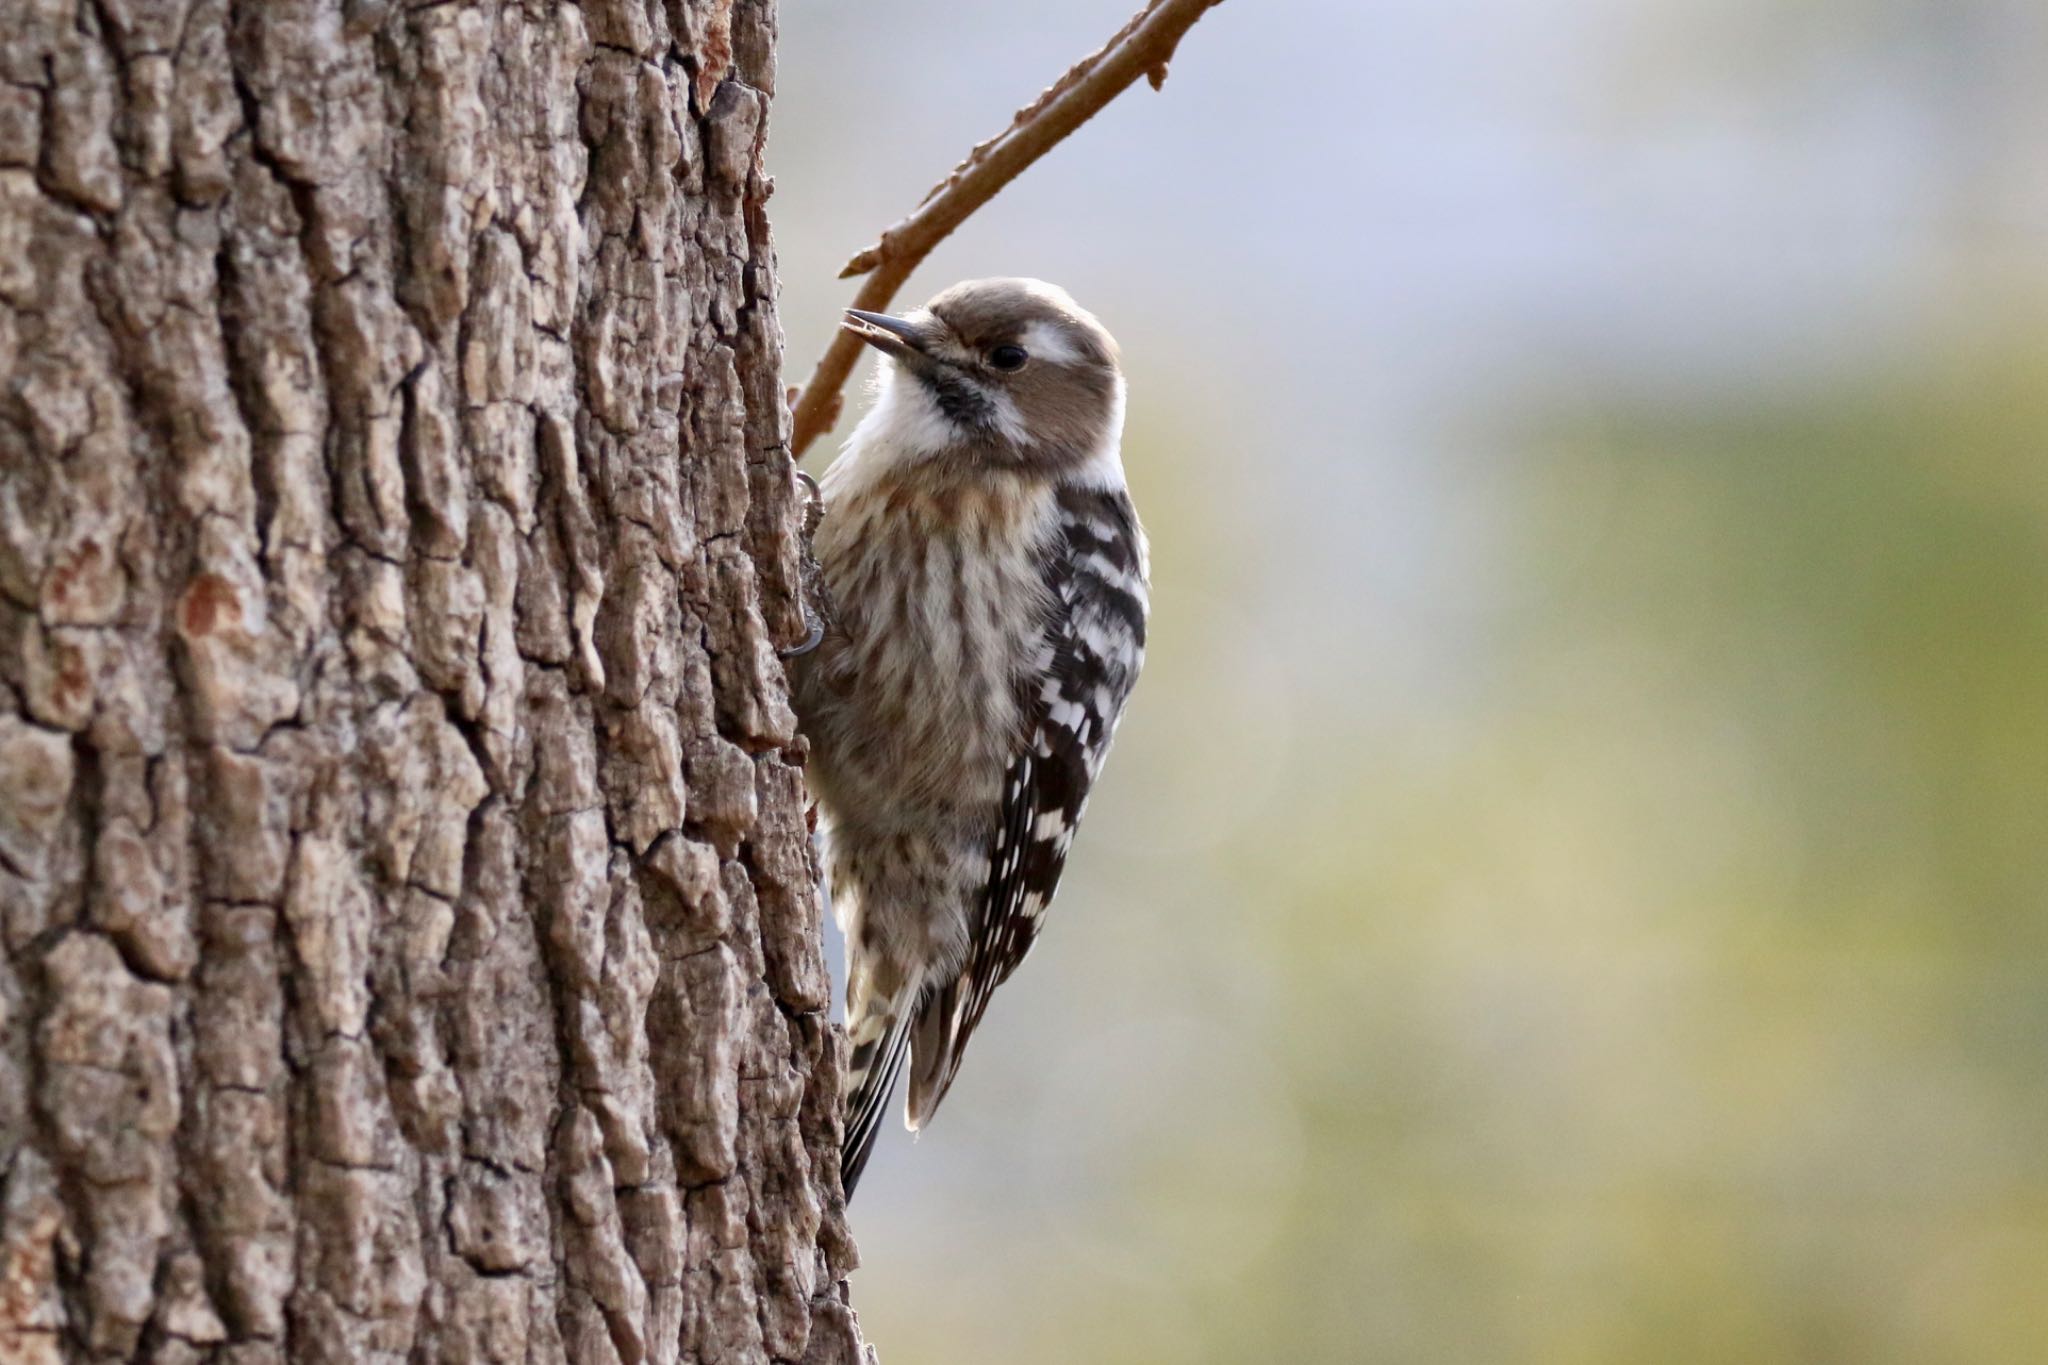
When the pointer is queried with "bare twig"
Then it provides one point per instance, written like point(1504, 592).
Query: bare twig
point(1142, 47)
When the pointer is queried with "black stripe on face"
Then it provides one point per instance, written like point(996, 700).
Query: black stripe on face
point(960, 400)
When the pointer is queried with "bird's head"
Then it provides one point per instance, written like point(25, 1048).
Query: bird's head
point(1009, 372)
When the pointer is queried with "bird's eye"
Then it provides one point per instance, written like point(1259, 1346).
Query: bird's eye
point(1008, 357)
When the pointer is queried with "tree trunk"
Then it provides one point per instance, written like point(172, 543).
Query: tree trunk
point(411, 944)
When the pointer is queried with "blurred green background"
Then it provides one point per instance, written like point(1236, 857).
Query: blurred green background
point(1573, 885)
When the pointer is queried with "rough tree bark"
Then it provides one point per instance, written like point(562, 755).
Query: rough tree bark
point(411, 948)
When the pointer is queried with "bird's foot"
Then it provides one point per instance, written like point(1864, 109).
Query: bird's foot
point(807, 568)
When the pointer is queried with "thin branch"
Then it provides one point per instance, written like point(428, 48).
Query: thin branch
point(1142, 47)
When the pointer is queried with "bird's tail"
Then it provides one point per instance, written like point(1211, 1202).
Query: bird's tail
point(938, 1039)
point(881, 1039)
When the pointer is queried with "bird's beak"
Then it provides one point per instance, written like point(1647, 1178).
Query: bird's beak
point(890, 336)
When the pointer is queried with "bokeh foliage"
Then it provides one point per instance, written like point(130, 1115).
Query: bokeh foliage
point(1573, 886)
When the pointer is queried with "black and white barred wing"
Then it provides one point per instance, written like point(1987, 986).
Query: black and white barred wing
point(1093, 648)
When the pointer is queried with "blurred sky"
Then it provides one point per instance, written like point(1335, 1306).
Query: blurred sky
point(1573, 884)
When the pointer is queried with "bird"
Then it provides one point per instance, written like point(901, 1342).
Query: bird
point(986, 587)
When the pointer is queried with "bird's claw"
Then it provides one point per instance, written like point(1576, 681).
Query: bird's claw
point(814, 505)
point(813, 588)
point(809, 642)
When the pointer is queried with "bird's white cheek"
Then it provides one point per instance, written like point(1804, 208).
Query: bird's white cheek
point(905, 417)
point(1009, 421)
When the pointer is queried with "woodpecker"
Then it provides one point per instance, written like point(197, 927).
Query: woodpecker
point(987, 582)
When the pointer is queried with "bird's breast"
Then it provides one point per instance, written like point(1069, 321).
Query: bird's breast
point(941, 607)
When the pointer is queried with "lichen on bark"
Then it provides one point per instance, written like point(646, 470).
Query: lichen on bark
point(411, 943)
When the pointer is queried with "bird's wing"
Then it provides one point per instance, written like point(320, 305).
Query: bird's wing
point(1074, 695)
